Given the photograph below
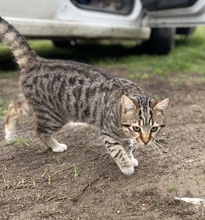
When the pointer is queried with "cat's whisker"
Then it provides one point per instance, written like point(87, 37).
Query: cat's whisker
point(162, 147)
point(156, 147)
point(129, 148)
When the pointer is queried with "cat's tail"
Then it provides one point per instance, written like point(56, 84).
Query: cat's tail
point(23, 53)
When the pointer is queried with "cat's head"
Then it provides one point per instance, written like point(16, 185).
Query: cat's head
point(142, 118)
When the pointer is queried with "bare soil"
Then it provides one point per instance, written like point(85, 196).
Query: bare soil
point(84, 182)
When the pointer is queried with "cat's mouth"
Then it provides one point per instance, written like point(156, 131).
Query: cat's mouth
point(144, 141)
point(160, 148)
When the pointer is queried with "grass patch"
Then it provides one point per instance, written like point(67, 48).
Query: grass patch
point(3, 107)
point(47, 176)
point(172, 188)
point(75, 170)
point(187, 57)
point(156, 202)
point(9, 74)
point(59, 159)
point(21, 142)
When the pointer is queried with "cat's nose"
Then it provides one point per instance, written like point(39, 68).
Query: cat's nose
point(145, 142)
point(145, 138)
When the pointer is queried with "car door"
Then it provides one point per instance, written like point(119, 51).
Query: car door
point(45, 9)
point(167, 18)
point(174, 13)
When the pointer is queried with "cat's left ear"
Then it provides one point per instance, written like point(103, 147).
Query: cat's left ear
point(162, 105)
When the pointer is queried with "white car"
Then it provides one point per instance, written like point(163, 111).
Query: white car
point(154, 22)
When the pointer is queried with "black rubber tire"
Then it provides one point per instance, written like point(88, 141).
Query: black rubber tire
point(161, 41)
point(185, 30)
point(63, 43)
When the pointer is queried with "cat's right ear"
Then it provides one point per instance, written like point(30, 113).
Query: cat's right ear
point(162, 105)
point(127, 104)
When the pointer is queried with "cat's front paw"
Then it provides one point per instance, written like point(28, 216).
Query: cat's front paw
point(127, 170)
point(134, 162)
point(59, 148)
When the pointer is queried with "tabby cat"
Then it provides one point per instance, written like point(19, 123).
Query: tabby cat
point(63, 91)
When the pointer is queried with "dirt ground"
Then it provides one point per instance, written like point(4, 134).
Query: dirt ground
point(84, 183)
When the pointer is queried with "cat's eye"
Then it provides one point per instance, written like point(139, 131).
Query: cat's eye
point(154, 129)
point(136, 128)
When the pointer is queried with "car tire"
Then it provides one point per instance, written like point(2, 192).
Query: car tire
point(185, 30)
point(161, 41)
point(64, 43)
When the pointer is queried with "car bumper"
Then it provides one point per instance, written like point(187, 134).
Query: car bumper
point(71, 29)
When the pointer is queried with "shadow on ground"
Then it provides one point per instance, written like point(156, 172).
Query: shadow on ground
point(84, 52)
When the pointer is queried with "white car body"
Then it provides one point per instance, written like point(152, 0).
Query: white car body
point(62, 19)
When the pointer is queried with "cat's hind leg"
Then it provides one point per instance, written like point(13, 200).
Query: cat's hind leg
point(17, 108)
point(45, 132)
point(52, 143)
point(10, 128)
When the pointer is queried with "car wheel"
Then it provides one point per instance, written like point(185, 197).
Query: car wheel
point(185, 30)
point(161, 41)
point(64, 43)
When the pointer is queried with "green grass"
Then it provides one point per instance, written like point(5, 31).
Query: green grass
point(47, 176)
point(188, 56)
point(9, 74)
point(3, 107)
point(75, 170)
point(21, 142)
point(172, 188)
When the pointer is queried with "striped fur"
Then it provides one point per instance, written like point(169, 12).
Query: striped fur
point(23, 53)
point(63, 91)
